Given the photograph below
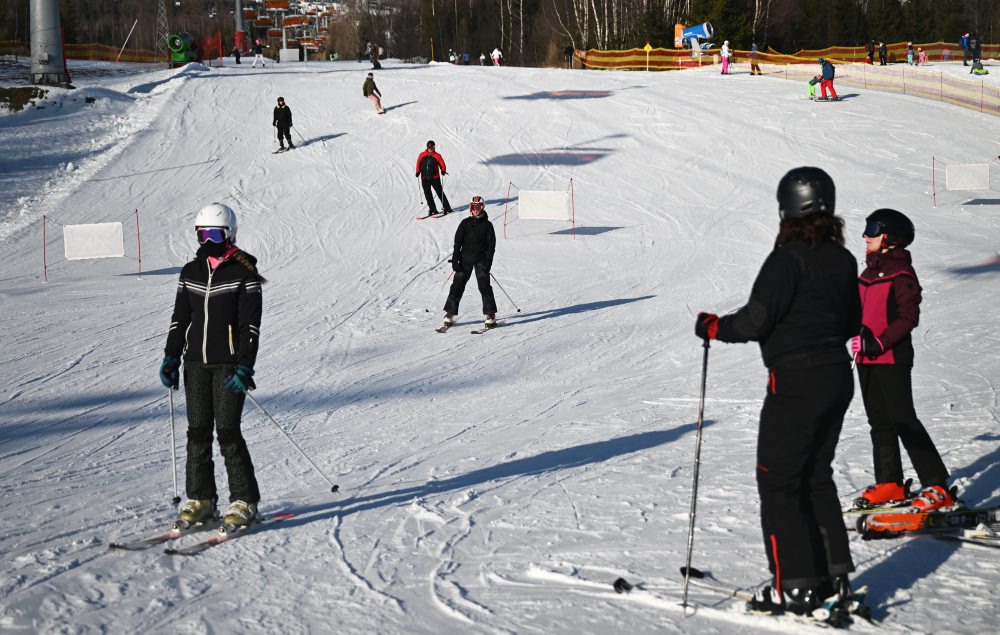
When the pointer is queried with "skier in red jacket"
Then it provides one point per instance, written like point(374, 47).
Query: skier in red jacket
point(890, 301)
point(430, 167)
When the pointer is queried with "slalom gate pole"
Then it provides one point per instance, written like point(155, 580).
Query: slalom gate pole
point(333, 486)
point(173, 442)
point(697, 467)
point(441, 288)
point(504, 292)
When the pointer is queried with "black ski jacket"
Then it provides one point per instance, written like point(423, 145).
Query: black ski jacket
point(475, 241)
point(803, 307)
point(217, 313)
point(283, 116)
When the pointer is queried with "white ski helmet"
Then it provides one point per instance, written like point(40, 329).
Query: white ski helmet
point(217, 215)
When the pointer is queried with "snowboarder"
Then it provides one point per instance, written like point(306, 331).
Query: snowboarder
point(283, 122)
point(475, 243)
point(803, 309)
point(724, 53)
point(890, 300)
point(371, 91)
point(826, 80)
point(430, 168)
point(258, 54)
point(496, 56)
point(216, 327)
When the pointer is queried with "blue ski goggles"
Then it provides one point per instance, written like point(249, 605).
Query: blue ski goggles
point(873, 228)
point(212, 234)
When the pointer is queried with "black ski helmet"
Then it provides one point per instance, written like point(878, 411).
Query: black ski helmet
point(805, 191)
point(896, 229)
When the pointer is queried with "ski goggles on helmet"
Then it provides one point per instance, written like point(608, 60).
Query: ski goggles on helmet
point(873, 228)
point(212, 234)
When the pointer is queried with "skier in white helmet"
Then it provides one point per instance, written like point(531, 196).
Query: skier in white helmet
point(216, 328)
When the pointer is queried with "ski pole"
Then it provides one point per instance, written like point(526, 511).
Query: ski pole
point(697, 466)
point(333, 486)
point(300, 136)
point(173, 442)
point(504, 292)
point(438, 295)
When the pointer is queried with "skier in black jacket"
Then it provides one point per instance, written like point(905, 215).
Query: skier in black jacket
point(803, 309)
point(216, 327)
point(475, 243)
point(283, 122)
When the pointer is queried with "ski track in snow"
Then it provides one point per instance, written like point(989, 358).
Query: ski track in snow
point(493, 484)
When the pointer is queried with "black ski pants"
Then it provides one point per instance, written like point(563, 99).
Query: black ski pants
point(804, 533)
point(284, 132)
point(436, 184)
point(211, 408)
point(887, 391)
point(458, 288)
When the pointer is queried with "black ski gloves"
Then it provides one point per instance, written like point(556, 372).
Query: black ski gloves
point(169, 374)
point(241, 380)
point(456, 265)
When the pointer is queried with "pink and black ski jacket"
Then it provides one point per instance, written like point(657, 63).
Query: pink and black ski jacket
point(890, 305)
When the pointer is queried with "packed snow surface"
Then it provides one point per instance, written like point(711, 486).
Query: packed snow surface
point(490, 484)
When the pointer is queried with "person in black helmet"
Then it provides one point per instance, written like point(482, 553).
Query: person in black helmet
point(890, 300)
point(475, 243)
point(283, 122)
point(803, 309)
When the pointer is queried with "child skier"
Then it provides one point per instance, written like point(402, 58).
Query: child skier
point(811, 90)
point(283, 122)
point(803, 308)
point(724, 53)
point(890, 299)
point(371, 91)
point(216, 327)
point(475, 243)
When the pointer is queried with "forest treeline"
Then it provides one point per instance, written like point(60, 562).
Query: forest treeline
point(535, 32)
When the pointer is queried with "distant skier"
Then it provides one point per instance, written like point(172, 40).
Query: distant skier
point(909, 53)
point(803, 309)
point(376, 65)
point(826, 80)
point(216, 327)
point(890, 300)
point(430, 167)
point(452, 57)
point(371, 91)
point(754, 56)
point(724, 53)
point(568, 53)
point(921, 56)
point(258, 53)
point(496, 56)
point(975, 47)
point(237, 53)
point(871, 52)
point(963, 43)
point(482, 58)
point(475, 244)
point(283, 122)
point(883, 53)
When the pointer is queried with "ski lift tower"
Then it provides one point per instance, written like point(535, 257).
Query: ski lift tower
point(48, 61)
point(162, 31)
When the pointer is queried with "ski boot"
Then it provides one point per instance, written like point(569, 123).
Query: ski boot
point(195, 512)
point(291, 146)
point(933, 498)
point(491, 321)
point(239, 515)
point(800, 601)
point(448, 320)
point(883, 495)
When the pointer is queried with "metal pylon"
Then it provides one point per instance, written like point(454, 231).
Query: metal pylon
point(162, 30)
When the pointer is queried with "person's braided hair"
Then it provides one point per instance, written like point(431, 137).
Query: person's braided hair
point(243, 260)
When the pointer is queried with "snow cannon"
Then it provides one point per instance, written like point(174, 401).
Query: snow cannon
point(182, 49)
point(691, 36)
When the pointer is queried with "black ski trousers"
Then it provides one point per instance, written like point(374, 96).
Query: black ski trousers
point(211, 408)
point(285, 132)
point(436, 184)
point(804, 533)
point(458, 288)
point(887, 391)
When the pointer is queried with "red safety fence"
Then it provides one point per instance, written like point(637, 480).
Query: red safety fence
point(671, 59)
point(86, 52)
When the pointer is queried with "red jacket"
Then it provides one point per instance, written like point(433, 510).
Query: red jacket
point(890, 305)
point(428, 163)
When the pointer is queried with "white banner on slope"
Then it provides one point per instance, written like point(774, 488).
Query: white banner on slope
point(543, 205)
point(975, 176)
point(98, 240)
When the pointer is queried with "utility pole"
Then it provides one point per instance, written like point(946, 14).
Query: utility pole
point(162, 31)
